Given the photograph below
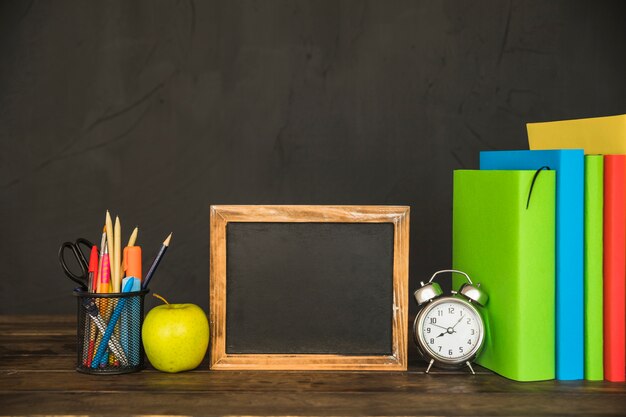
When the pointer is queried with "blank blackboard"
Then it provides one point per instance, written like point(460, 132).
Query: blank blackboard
point(309, 287)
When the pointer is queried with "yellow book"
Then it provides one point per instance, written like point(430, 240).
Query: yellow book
point(596, 135)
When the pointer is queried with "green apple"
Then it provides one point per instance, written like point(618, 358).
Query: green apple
point(175, 336)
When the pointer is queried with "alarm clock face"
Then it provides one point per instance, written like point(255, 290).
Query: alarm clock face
point(449, 330)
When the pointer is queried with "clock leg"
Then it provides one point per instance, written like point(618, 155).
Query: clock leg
point(469, 365)
point(429, 365)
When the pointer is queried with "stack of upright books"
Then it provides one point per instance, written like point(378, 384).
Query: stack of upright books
point(544, 231)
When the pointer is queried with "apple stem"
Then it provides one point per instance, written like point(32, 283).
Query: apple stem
point(160, 298)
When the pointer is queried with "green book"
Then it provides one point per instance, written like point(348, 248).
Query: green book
point(509, 249)
point(594, 204)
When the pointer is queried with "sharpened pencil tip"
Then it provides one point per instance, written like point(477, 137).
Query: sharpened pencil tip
point(166, 242)
point(133, 236)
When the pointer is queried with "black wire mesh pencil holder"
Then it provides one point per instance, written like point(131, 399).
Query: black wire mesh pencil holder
point(109, 332)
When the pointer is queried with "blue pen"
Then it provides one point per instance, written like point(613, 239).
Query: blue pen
point(128, 325)
point(109, 331)
point(114, 344)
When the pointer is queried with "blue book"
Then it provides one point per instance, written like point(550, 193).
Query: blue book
point(569, 165)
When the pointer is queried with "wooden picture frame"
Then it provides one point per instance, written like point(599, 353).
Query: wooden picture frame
point(222, 215)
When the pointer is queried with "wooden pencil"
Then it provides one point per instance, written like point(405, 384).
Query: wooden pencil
point(110, 242)
point(117, 276)
point(117, 247)
point(155, 263)
point(133, 237)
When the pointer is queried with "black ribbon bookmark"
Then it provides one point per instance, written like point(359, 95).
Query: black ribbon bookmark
point(532, 184)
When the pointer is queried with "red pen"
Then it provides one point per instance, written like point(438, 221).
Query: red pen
point(96, 280)
point(93, 267)
point(89, 327)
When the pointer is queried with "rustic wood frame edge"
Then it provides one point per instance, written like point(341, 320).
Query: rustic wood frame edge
point(221, 215)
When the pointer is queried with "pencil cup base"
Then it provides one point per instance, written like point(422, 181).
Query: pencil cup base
point(109, 332)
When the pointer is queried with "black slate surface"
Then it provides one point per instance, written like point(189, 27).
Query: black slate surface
point(157, 109)
point(309, 288)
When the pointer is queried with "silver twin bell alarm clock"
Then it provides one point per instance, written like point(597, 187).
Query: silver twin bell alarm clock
point(449, 330)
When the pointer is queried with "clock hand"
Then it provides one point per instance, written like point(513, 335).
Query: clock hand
point(457, 322)
point(442, 334)
point(441, 327)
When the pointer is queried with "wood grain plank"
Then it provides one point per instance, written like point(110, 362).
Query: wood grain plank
point(60, 363)
point(36, 319)
point(217, 287)
point(295, 382)
point(322, 404)
point(41, 381)
point(308, 214)
point(401, 286)
point(53, 324)
point(45, 345)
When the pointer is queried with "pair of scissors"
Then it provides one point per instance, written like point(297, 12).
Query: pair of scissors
point(75, 247)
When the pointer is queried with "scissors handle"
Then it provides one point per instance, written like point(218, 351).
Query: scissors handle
point(83, 278)
point(88, 245)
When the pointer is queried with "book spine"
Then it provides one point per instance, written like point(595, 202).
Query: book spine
point(538, 285)
point(594, 194)
point(614, 267)
point(570, 356)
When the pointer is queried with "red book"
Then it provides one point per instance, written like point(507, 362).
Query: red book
point(615, 267)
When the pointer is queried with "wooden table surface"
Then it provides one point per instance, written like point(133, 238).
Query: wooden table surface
point(37, 377)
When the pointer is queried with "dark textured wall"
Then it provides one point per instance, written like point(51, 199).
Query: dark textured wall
point(156, 109)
